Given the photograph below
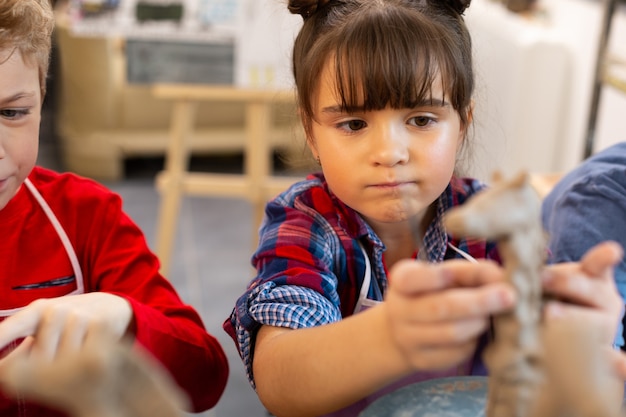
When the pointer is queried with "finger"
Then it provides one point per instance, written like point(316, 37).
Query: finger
point(617, 360)
point(97, 334)
point(569, 283)
point(575, 287)
point(22, 324)
point(13, 366)
point(99, 342)
point(413, 277)
point(597, 264)
point(443, 357)
point(462, 303)
point(48, 334)
point(434, 335)
point(72, 336)
point(594, 321)
point(22, 350)
point(600, 260)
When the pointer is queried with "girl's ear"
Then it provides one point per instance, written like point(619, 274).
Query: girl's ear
point(470, 113)
point(310, 142)
point(469, 119)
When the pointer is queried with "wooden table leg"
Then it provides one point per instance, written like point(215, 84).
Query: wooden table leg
point(176, 163)
point(258, 163)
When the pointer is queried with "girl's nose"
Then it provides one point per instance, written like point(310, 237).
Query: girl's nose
point(390, 145)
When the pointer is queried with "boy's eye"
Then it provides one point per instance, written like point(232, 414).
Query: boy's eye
point(13, 113)
point(420, 121)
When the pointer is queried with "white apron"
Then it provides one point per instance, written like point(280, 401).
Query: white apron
point(363, 303)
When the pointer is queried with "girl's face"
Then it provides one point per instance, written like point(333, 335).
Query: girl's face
point(389, 165)
point(20, 114)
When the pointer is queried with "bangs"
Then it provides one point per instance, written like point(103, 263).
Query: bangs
point(377, 67)
point(393, 53)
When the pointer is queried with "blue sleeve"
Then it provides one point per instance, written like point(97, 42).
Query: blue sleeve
point(587, 207)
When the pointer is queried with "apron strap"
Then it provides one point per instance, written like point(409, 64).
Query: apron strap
point(367, 279)
point(80, 286)
point(462, 253)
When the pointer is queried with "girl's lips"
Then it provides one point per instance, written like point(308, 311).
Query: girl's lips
point(392, 184)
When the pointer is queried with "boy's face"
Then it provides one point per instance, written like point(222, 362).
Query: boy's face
point(20, 114)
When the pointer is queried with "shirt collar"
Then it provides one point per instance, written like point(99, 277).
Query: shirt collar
point(436, 238)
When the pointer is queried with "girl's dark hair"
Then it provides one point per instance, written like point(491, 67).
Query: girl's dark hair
point(386, 53)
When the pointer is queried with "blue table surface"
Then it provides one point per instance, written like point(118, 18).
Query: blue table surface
point(463, 396)
point(444, 397)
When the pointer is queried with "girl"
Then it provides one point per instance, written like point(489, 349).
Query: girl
point(385, 90)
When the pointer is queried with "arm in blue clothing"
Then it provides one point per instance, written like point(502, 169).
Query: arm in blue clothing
point(588, 206)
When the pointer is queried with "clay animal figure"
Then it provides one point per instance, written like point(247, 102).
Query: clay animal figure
point(509, 213)
point(101, 379)
point(537, 368)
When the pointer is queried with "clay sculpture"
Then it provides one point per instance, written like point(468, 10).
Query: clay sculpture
point(103, 378)
point(509, 213)
point(536, 368)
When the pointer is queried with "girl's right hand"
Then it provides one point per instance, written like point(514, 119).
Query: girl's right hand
point(437, 312)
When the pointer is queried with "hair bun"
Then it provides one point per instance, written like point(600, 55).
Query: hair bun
point(457, 6)
point(305, 8)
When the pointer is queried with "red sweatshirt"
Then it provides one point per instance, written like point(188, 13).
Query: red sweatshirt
point(114, 258)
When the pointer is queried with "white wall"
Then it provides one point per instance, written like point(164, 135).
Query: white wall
point(265, 43)
point(580, 23)
point(535, 82)
point(523, 69)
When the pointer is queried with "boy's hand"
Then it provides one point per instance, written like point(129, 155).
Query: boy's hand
point(55, 323)
point(437, 312)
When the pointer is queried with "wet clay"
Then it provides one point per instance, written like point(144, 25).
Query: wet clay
point(509, 213)
point(102, 379)
point(536, 369)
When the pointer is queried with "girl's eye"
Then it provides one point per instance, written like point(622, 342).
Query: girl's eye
point(14, 114)
point(353, 125)
point(421, 121)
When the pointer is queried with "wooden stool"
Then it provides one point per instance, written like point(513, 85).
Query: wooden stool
point(256, 184)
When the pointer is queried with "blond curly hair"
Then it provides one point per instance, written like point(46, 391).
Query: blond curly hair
point(26, 26)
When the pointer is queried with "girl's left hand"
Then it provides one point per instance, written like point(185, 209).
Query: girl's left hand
point(586, 292)
point(50, 325)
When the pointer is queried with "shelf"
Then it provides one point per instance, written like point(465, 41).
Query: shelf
point(615, 73)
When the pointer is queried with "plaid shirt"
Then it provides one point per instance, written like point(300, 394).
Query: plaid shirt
point(310, 264)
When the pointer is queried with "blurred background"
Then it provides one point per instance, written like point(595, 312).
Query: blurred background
point(185, 109)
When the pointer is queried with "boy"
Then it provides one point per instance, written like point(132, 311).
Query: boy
point(69, 256)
